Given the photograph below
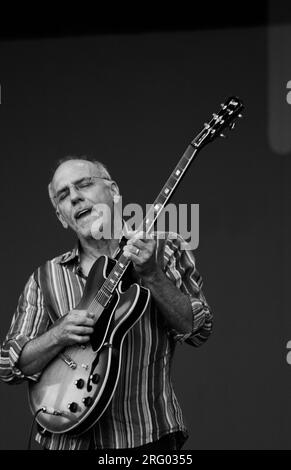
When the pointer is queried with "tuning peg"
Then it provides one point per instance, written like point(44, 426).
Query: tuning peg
point(240, 116)
point(215, 116)
point(222, 135)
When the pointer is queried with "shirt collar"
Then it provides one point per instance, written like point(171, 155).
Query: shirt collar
point(73, 255)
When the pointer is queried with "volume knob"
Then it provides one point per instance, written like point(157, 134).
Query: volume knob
point(95, 378)
point(87, 401)
point(79, 383)
point(73, 407)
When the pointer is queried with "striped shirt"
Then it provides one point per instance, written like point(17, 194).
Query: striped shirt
point(144, 406)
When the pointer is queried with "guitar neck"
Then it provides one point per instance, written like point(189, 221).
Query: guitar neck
point(168, 189)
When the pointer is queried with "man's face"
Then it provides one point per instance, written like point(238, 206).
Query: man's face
point(77, 205)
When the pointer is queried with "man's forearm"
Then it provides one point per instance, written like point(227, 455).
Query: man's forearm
point(73, 328)
point(174, 305)
point(37, 353)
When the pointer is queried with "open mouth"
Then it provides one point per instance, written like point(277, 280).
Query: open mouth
point(82, 214)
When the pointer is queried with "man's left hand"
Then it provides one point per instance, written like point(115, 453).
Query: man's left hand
point(141, 249)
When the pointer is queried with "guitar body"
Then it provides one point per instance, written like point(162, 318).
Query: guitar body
point(76, 387)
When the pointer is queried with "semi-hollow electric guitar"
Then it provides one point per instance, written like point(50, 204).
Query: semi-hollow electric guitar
point(76, 387)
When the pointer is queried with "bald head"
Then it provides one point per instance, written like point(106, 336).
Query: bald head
point(69, 165)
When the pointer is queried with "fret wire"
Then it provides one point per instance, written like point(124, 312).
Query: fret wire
point(183, 163)
point(181, 166)
point(103, 302)
point(118, 268)
point(161, 197)
point(166, 193)
point(113, 278)
point(101, 295)
point(108, 286)
point(172, 180)
point(105, 287)
point(94, 303)
point(188, 154)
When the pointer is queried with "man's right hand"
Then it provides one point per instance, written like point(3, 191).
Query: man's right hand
point(75, 327)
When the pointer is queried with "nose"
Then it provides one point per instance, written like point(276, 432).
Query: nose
point(75, 195)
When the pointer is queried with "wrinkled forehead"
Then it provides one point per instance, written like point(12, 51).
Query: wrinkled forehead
point(72, 171)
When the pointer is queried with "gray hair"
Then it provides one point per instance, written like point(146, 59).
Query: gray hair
point(102, 171)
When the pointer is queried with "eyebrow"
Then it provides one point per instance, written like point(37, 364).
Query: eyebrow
point(67, 187)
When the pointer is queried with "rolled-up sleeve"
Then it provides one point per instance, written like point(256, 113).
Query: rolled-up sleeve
point(180, 267)
point(30, 320)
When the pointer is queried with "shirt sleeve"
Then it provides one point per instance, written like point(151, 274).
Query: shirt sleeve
point(29, 320)
point(180, 267)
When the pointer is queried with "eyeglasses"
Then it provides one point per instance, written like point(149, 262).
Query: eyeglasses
point(81, 185)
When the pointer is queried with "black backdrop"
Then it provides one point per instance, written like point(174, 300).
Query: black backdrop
point(135, 101)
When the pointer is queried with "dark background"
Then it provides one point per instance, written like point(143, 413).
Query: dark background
point(134, 97)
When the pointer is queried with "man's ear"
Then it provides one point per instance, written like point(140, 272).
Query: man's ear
point(114, 189)
point(61, 219)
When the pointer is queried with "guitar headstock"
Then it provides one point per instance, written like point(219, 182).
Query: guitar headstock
point(230, 111)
